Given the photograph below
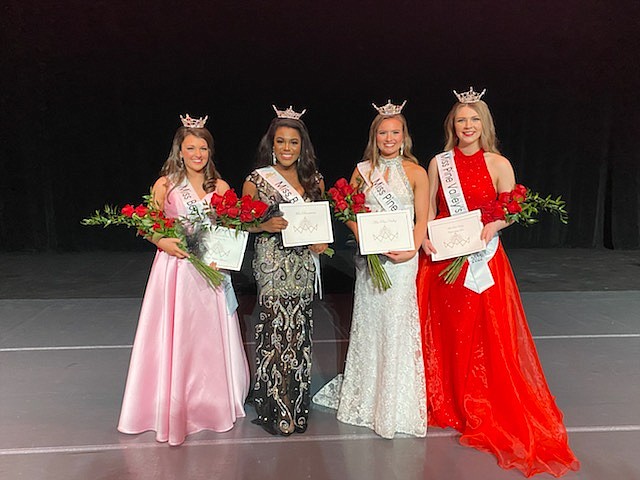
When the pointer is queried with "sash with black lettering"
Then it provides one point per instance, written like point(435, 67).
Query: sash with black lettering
point(379, 187)
point(478, 277)
point(290, 195)
point(195, 208)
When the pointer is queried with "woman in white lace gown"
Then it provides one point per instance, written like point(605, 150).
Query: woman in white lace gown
point(383, 385)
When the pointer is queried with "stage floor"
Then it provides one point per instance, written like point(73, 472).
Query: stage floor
point(67, 323)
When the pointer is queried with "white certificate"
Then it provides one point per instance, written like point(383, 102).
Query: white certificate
point(226, 247)
point(456, 235)
point(381, 232)
point(308, 223)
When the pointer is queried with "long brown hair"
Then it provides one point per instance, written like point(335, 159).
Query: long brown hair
point(174, 167)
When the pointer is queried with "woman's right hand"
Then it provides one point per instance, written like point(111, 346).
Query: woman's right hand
point(171, 247)
point(274, 225)
point(428, 247)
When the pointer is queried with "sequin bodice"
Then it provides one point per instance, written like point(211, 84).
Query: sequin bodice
point(475, 180)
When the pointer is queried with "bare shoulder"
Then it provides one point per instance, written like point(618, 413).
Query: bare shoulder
point(222, 186)
point(414, 170)
point(161, 185)
point(496, 160)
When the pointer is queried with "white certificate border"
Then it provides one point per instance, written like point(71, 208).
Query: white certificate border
point(226, 232)
point(365, 218)
point(323, 208)
point(453, 219)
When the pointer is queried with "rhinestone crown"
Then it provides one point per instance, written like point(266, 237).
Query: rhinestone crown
point(389, 108)
point(470, 96)
point(288, 113)
point(189, 122)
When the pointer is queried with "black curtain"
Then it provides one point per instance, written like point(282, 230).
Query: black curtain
point(91, 94)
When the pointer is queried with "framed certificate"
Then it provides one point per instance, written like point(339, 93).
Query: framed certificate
point(226, 247)
point(456, 235)
point(309, 223)
point(381, 232)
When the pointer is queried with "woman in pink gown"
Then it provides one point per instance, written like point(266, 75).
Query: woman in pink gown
point(483, 374)
point(188, 369)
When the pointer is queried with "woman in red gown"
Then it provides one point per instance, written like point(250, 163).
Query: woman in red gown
point(483, 374)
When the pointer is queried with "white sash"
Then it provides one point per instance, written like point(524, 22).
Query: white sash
point(290, 195)
point(195, 206)
point(277, 181)
point(478, 277)
point(379, 187)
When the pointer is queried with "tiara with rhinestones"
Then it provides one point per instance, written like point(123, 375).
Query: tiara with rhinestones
point(389, 108)
point(288, 113)
point(470, 96)
point(189, 122)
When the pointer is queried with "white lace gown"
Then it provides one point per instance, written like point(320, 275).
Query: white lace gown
point(383, 385)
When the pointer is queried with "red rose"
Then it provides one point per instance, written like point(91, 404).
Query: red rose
point(504, 197)
point(346, 190)
point(333, 191)
point(221, 209)
point(127, 210)
point(514, 207)
point(342, 205)
point(341, 182)
point(259, 208)
point(521, 190)
point(497, 213)
point(517, 197)
point(141, 210)
point(246, 203)
point(246, 217)
point(216, 200)
point(156, 226)
point(358, 198)
point(168, 222)
point(230, 197)
point(360, 208)
point(233, 212)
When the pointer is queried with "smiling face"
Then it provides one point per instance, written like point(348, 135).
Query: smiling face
point(468, 126)
point(194, 151)
point(287, 144)
point(389, 137)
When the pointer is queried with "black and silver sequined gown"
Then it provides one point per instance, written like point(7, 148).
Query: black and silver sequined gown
point(285, 280)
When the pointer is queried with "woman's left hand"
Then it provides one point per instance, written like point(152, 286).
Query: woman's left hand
point(400, 257)
point(490, 230)
point(318, 247)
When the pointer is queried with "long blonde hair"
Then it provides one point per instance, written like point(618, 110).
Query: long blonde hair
point(372, 153)
point(488, 139)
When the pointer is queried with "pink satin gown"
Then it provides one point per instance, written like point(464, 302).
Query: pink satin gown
point(188, 369)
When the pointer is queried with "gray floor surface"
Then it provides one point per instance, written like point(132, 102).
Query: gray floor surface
point(67, 323)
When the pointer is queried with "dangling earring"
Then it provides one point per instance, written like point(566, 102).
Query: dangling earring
point(402, 149)
point(273, 156)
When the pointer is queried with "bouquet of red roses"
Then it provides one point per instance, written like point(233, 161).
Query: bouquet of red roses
point(346, 202)
point(149, 220)
point(520, 205)
point(237, 213)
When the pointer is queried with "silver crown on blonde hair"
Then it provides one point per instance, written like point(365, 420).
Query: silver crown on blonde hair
point(288, 113)
point(189, 122)
point(389, 109)
point(470, 96)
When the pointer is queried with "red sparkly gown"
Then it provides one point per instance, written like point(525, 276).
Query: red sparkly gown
point(483, 374)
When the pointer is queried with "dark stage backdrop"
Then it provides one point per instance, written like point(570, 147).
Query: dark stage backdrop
point(91, 93)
